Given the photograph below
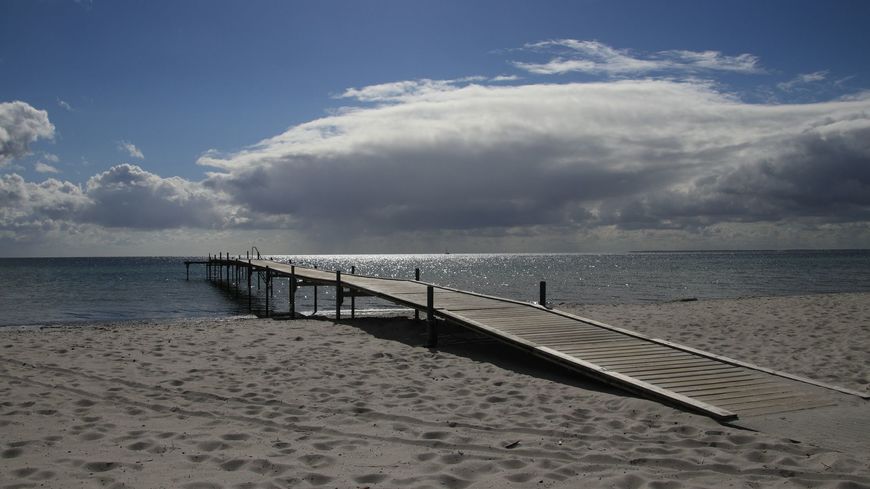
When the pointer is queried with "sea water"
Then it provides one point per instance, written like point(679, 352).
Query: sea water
point(69, 290)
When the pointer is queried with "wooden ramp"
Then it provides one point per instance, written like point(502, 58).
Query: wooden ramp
point(714, 385)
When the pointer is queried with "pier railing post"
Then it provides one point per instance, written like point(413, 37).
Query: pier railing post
point(292, 292)
point(417, 278)
point(543, 294)
point(432, 327)
point(338, 295)
point(352, 295)
point(268, 273)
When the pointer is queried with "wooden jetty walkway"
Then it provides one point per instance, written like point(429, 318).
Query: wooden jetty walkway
point(717, 386)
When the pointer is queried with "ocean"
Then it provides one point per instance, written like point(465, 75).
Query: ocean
point(49, 291)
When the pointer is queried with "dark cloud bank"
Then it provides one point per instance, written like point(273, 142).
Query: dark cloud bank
point(554, 160)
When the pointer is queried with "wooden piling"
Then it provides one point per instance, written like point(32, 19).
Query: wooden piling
point(338, 295)
point(292, 292)
point(417, 278)
point(267, 291)
point(250, 271)
point(543, 294)
point(431, 325)
point(352, 295)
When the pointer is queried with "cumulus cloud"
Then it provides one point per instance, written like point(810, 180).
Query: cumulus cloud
point(124, 196)
point(571, 55)
point(20, 126)
point(633, 154)
point(657, 160)
point(130, 149)
point(41, 167)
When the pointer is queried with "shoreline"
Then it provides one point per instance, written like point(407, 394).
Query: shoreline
point(249, 403)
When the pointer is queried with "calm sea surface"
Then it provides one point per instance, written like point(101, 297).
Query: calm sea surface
point(67, 290)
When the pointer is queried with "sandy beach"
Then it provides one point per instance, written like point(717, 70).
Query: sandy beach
point(245, 403)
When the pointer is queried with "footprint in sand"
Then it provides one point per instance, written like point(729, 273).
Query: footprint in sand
point(235, 436)
point(139, 445)
point(370, 479)
point(100, 466)
point(317, 461)
point(11, 453)
point(233, 465)
point(212, 445)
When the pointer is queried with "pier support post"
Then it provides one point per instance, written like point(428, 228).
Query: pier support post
point(315, 299)
point(352, 295)
point(292, 292)
point(417, 278)
point(431, 326)
point(220, 268)
point(543, 294)
point(187, 269)
point(338, 295)
point(268, 273)
point(250, 271)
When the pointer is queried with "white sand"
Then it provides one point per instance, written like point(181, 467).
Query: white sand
point(261, 403)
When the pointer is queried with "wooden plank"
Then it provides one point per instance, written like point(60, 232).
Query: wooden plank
point(688, 360)
point(725, 389)
point(543, 326)
point(743, 393)
point(546, 328)
point(765, 400)
point(592, 347)
point(651, 355)
point(662, 366)
point(650, 389)
point(571, 332)
point(566, 341)
point(619, 349)
point(693, 371)
point(495, 306)
point(522, 313)
point(705, 380)
point(687, 373)
point(570, 338)
point(695, 387)
point(602, 374)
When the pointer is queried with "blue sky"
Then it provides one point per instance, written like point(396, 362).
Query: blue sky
point(193, 89)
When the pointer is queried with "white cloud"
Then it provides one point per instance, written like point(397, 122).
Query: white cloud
point(513, 167)
point(802, 80)
point(598, 58)
point(124, 196)
point(20, 126)
point(130, 149)
point(639, 154)
point(45, 168)
point(64, 105)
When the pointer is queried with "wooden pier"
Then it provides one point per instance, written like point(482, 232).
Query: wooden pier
point(717, 386)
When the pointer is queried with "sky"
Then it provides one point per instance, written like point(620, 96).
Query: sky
point(192, 127)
